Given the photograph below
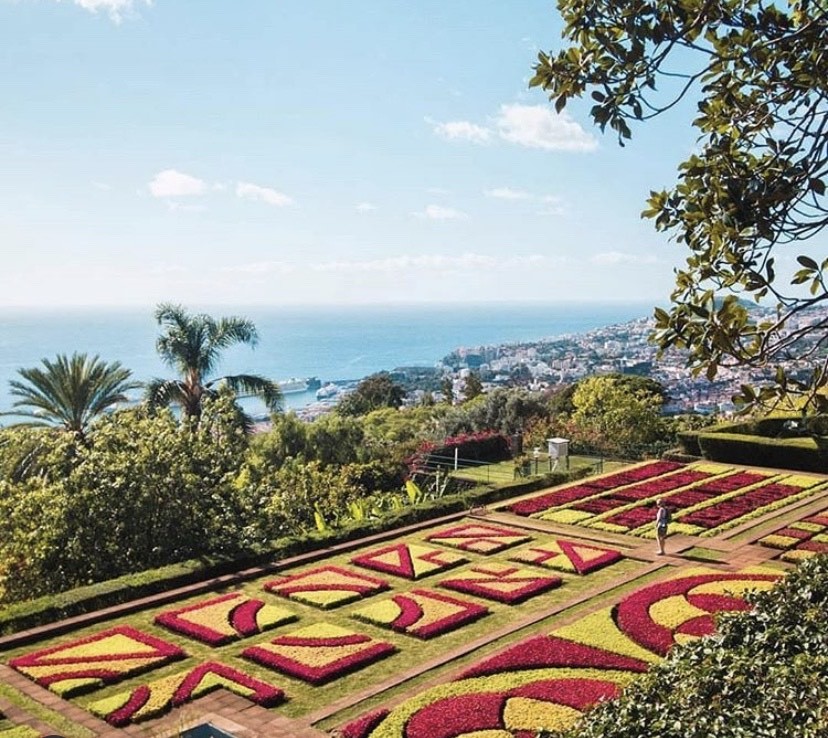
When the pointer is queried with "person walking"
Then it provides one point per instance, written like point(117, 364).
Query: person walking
point(662, 520)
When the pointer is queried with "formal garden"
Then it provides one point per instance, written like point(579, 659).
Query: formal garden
point(502, 621)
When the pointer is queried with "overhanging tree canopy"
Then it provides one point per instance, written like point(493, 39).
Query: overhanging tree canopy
point(754, 190)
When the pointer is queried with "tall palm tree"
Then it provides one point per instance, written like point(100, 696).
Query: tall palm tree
point(192, 345)
point(69, 392)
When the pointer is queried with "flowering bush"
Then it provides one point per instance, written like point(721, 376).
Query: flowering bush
point(155, 698)
point(408, 560)
point(508, 584)
point(222, 619)
point(326, 586)
point(479, 538)
point(480, 446)
point(103, 658)
point(421, 613)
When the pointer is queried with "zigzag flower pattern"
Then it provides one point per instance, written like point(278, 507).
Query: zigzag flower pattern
point(89, 663)
point(421, 613)
point(326, 586)
point(319, 652)
point(219, 620)
point(502, 583)
point(570, 556)
point(408, 560)
point(546, 682)
point(155, 698)
point(479, 538)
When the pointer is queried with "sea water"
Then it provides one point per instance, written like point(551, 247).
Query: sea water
point(331, 343)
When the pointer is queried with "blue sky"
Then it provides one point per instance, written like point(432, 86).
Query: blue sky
point(308, 152)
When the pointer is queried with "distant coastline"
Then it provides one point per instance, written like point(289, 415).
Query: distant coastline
point(335, 344)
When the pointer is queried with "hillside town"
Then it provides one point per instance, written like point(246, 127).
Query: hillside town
point(623, 348)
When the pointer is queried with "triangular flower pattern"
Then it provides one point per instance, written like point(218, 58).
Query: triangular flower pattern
point(479, 538)
point(571, 556)
point(326, 586)
point(509, 584)
point(408, 560)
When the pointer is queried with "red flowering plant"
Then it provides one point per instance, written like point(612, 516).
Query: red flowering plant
point(486, 446)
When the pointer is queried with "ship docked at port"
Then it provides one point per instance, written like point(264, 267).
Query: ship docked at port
point(294, 385)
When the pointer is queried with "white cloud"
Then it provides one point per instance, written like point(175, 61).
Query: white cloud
point(263, 267)
point(461, 130)
point(172, 183)
point(507, 193)
point(430, 262)
point(365, 207)
point(616, 258)
point(539, 127)
point(438, 212)
point(117, 9)
point(251, 191)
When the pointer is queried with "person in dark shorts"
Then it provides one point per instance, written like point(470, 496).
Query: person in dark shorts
point(662, 520)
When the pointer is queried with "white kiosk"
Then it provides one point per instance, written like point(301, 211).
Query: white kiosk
point(558, 450)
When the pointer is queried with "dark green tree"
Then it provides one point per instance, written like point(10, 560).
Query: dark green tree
point(69, 392)
point(472, 387)
point(753, 190)
point(372, 393)
point(192, 345)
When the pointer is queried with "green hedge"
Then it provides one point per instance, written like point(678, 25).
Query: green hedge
point(53, 608)
point(803, 454)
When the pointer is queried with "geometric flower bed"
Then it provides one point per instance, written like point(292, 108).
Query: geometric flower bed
point(408, 560)
point(421, 613)
point(319, 652)
point(801, 539)
point(705, 499)
point(89, 663)
point(508, 584)
point(479, 538)
point(578, 558)
point(150, 700)
point(571, 493)
point(326, 586)
point(222, 619)
point(546, 682)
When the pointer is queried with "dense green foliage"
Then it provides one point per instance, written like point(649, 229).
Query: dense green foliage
point(763, 675)
point(372, 393)
point(192, 345)
point(753, 189)
point(785, 441)
point(69, 392)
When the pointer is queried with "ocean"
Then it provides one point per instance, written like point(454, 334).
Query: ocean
point(331, 343)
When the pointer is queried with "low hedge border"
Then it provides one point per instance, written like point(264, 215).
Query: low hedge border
point(51, 609)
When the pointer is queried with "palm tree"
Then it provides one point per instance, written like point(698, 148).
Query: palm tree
point(192, 345)
point(70, 392)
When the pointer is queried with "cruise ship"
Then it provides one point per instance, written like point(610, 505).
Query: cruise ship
point(292, 385)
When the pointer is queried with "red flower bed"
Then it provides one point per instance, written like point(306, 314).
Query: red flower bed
point(510, 585)
point(362, 726)
point(90, 664)
point(551, 499)
point(633, 616)
point(599, 505)
point(630, 476)
point(544, 652)
point(633, 518)
point(735, 507)
point(815, 546)
point(316, 657)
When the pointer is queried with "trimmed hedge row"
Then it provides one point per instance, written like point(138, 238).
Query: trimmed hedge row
point(53, 608)
point(757, 443)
